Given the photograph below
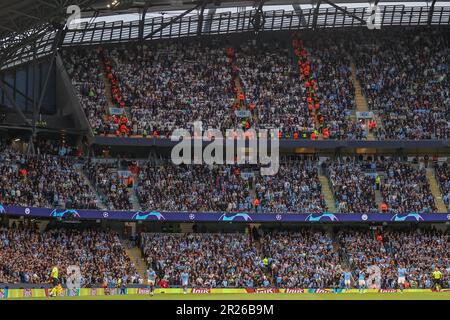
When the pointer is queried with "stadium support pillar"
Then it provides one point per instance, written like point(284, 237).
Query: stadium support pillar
point(430, 13)
point(30, 148)
point(299, 11)
point(166, 24)
point(258, 20)
point(141, 23)
point(200, 19)
point(344, 10)
point(316, 14)
point(35, 95)
point(52, 62)
point(208, 23)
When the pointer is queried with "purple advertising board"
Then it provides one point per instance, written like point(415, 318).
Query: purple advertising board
point(223, 217)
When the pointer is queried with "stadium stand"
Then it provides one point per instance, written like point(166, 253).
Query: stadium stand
point(443, 176)
point(405, 77)
point(370, 185)
point(109, 183)
point(295, 188)
point(331, 65)
point(419, 250)
point(87, 130)
point(354, 188)
point(43, 181)
point(84, 70)
point(193, 188)
point(275, 93)
point(305, 259)
point(214, 260)
point(285, 100)
point(27, 256)
point(406, 189)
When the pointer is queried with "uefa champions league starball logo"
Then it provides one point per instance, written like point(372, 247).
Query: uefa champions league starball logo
point(243, 216)
point(57, 213)
point(364, 217)
point(192, 216)
point(326, 216)
point(407, 217)
point(146, 215)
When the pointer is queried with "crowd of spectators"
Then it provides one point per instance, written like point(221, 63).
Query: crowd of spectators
point(443, 178)
point(405, 78)
point(169, 86)
point(86, 74)
point(44, 180)
point(28, 255)
point(168, 187)
point(51, 181)
point(212, 260)
point(305, 259)
point(110, 184)
point(57, 148)
point(295, 188)
point(331, 67)
point(353, 187)
point(165, 86)
point(302, 259)
point(273, 88)
point(406, 189)
point(419, 251)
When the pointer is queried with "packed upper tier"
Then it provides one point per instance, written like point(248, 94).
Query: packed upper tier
point(301, 84)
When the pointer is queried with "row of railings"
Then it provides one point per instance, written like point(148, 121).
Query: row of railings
point(233, 22)
point(228, 22)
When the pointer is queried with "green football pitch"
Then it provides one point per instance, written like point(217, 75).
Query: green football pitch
point(278, 296)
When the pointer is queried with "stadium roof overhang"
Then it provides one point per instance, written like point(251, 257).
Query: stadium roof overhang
point(30, 29)
point(107, 7)
point(18, 16)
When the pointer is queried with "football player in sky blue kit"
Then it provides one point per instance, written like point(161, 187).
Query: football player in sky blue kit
point(347, 280)
point(185, 280)
point(361, 282)
point(151, 277)
point(401, 277)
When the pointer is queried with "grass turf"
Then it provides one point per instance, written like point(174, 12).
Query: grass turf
point(278, 296)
